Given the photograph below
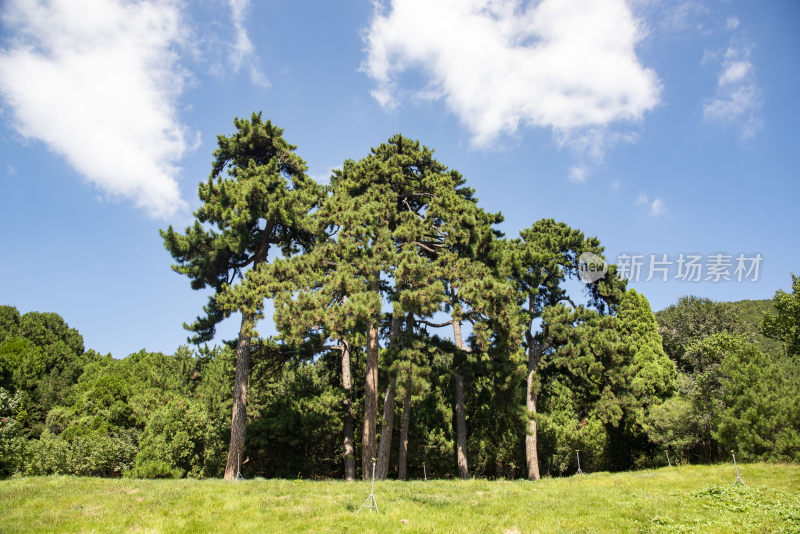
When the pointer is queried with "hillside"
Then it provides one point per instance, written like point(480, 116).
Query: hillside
point(687, 498)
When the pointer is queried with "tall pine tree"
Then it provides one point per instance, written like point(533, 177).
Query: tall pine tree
point(257, 196)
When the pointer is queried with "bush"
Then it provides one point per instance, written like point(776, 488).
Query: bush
point(154, 469)
point(88, 455)
point(175, 436)
point(12, 442)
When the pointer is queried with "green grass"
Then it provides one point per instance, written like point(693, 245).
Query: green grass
point(682, 499)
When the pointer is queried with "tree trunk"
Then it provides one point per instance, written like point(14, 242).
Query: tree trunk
point(384, 451)
point(531, 440)
point(385, 446)
point(370, 396)
point(239, 414)
point(401, 463)
point(349, 450)
point(239, 410)
point(461, 423)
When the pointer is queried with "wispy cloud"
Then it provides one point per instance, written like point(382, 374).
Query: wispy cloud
point(734, 72)
point(98, 84)
point(674, 17)
point(502, 64)
point(738, 99)
point(577, 174)
point(656, 206)
point(242, 50)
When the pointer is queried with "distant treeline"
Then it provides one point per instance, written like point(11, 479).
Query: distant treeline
point(67, 410)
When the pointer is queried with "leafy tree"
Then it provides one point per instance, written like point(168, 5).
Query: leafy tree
point(692, 319)
point(41, 357)
point(9, 322)
point(257, 196)
point(784, 323)
point(214, 374)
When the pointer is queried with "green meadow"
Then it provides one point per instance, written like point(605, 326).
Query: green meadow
point(679, 499)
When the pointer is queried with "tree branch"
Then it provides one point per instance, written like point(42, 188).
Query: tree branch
point(567, 299)
point(435, 325)
point(405, 201)
point(426, 247)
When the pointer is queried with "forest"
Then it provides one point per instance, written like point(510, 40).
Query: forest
point(411, 331)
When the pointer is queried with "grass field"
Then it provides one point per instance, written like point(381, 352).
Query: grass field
point(682, 499)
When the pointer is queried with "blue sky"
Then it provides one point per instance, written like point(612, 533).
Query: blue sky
point(662, 127)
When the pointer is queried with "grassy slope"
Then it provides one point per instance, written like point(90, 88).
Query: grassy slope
point(684, 499)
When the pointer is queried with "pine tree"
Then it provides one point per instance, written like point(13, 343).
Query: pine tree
point(538, 264)
point(257, 196)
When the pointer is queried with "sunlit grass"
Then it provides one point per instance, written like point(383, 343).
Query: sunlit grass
point(681, 499)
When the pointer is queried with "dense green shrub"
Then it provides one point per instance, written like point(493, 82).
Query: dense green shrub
point(12, 442)
point(88, 455)
point(175, 435)
point(154, 469)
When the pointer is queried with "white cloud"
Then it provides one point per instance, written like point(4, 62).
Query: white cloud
point(732, 23)
point(243, 52)
point(734, 71)
point(738, 97)
point(577, 174)
point(500, 64)
point(657, 206)
point(97, 82)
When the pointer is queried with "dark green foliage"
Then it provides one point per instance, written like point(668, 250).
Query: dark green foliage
point(257, 195)
point(297, 423)
point(564, 428)
point(601, 382)
point(496, 419)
